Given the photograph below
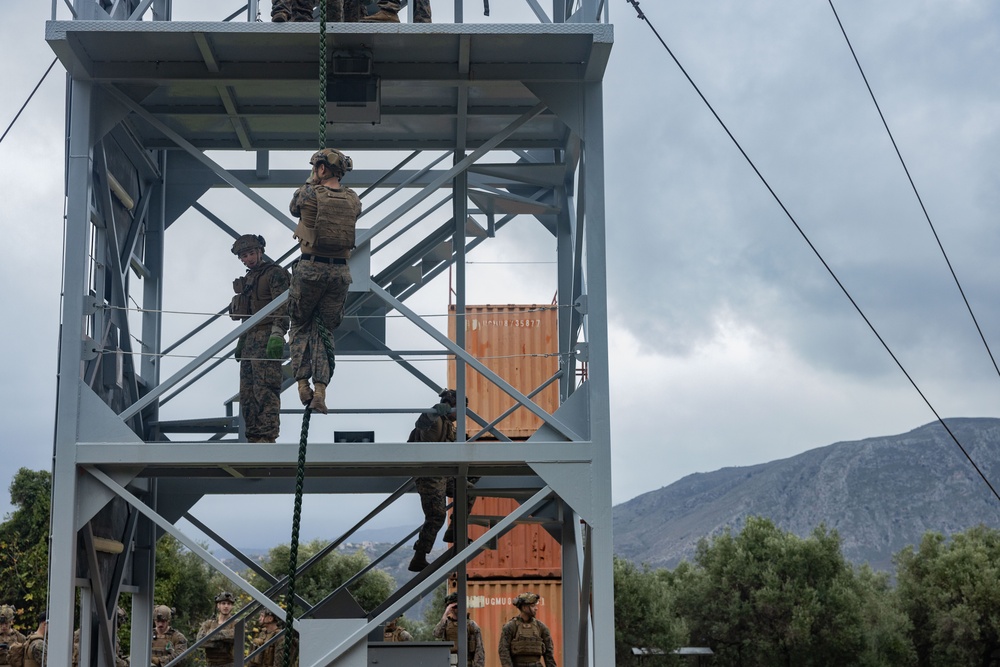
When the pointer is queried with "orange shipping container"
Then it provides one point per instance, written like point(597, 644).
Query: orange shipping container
point(490, 605)
point(525, 551)
point(520, 344)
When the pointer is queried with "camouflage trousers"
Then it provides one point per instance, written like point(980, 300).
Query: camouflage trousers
point(338, 11)
point(299, 11)
point(260, 387)
point(421, 9)
point(316, 290)
point(434, 492)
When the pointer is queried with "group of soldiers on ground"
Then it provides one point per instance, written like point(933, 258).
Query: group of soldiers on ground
point(524, 640)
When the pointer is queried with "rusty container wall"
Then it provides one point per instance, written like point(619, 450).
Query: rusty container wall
point(526, 551)
point(490, 605)
point(520, 344)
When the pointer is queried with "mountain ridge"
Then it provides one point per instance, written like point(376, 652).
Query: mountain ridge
point(880, 494)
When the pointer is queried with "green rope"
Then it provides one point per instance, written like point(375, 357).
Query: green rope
point(293, 551)
point(324, 16)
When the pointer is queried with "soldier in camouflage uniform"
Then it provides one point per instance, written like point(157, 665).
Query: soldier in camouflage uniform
point(273, 655)
point(447, 629)
point(298, 11)
point(260, 349)
point(168, 643)
point(436, 425)
point(219, 648)
point(8, 635)
point(388, 12)
point(328, 213)
point(394, 632)
point(524, 640)
point(302, 10)
point(34, 644)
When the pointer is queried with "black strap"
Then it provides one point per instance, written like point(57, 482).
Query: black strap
point(324, 260)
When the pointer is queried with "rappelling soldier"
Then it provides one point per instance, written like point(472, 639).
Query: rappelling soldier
point(524, 640)
point(447, 629)
point(168, 642)
point(261, 349)
point(328, 213)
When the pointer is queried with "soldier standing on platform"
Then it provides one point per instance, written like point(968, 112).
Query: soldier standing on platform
point(261, 348)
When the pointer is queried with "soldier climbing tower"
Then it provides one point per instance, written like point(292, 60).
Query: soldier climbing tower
point(458, 131)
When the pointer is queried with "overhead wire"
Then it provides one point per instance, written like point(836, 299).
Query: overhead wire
point(32, 94)
point(815, 250)
point(916, 192)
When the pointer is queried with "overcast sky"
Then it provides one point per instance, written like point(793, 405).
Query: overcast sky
point(730, 343)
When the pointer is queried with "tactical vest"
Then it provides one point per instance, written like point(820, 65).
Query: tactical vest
point(250, 297)
point(11, 637)
point(164, 644)
point(29, 660)
point(527, 641)
point(331, 233)
point(451, 634)
point(218, 649)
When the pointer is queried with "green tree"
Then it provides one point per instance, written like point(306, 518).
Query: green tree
point(24, 546)
point(766, 597)
point(184, 583)
point(329, 574)
point(950, 589)
point(644, 612)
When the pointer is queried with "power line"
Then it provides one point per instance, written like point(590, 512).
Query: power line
point(805, 237)
point(914, 187)
point(18, 115)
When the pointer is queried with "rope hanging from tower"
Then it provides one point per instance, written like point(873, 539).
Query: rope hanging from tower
point(293, 551)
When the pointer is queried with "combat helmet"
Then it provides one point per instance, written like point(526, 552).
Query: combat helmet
point(525, 598)
point(6, 614)
point(450, 598)
point(225, 596)
point(339, 163)
point(248, 242)
point(162, 613)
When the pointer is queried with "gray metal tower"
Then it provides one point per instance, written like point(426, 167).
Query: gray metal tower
point(503, 122)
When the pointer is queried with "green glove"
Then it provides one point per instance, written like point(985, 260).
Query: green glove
point(239, 349)
point(275, 347)
point(443, 409)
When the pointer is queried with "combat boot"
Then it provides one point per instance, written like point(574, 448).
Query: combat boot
point(305, 391)
point(280, 16)
point(449, 534)
point(318, 403)
point(418, 562)
point(382, 16)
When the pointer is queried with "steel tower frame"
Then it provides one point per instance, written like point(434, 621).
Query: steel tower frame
point(519, 110)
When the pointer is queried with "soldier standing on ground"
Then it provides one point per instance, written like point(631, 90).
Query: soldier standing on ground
point(273, 655)
point(219, 649)
point(168, 643)
point(260, 349)
point(447, 628)
point(8, 635)
point(328, 213)
point(436, 425)
point(524, 640)
point(394, 632)
point(34, 644)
